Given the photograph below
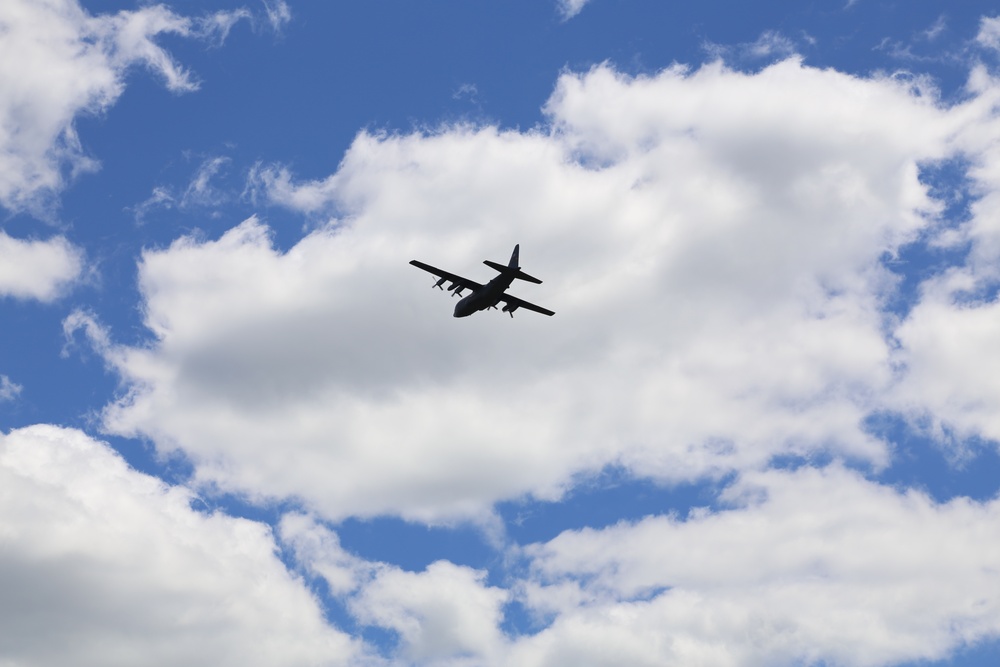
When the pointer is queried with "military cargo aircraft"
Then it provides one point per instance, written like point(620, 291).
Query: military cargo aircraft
point(488, 295)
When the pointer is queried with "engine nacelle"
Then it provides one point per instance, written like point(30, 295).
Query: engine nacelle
point(439, 283)
point(510, 308)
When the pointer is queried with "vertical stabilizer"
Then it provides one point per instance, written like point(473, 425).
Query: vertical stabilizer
point(513, 257)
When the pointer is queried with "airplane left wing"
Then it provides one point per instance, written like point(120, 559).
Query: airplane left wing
point(464, 283)
point(513, 303)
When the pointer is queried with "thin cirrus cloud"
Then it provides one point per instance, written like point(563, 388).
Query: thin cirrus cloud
point(711, 241)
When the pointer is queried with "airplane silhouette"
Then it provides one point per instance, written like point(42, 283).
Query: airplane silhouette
point(488, 295)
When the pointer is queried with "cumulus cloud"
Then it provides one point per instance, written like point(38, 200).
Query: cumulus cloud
point(946, 355)
point(318, 550)
point(802, 566)
point(102, 565)
point(35, 269)
point(446, 614)
point(712, 244)
point(807, 567)
point(57, 62)
point(442, 615)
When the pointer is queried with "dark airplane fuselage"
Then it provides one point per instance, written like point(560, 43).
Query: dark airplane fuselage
point(486, 296)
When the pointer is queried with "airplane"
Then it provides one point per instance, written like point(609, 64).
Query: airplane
point(488, 295)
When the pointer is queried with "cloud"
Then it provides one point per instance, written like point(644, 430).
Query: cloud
point(278, 14)
point(200, 192)
point(440, 614)
point(570, 8)
point(798, 567)
point(807, 567)
point(711, 242)
point(40, 270)
point(58, 62)
point(318, 550)
point(102, 565)
point(989, 33)
point(8, 390)
point(771, 45)
point(446, 614)
point(946, 356)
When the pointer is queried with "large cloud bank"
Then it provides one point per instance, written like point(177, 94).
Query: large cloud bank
point(712, 242)
point(715, 244)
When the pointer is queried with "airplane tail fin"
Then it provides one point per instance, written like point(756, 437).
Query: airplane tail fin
point(513, 264)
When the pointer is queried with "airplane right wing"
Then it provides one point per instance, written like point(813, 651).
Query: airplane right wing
point(513, 303)
point(445, 276)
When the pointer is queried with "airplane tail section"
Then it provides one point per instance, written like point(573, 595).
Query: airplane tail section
point(513, 264)
point(521, 275)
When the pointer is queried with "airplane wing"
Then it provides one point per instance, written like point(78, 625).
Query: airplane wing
point(445, 276)
point(513, 303)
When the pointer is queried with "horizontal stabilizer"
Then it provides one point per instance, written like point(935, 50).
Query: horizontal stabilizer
point(520, 275)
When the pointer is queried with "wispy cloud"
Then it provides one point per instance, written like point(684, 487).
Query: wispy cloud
point(570, 8)
point(200, 192)
point(8, 390)
point(989, 33)
point(278, 14)
point(770, 45)
point(58, 62)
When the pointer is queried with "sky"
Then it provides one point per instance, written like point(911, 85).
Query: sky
point(238, 428)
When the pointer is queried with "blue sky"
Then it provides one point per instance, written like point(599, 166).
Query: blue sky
point(236, 427)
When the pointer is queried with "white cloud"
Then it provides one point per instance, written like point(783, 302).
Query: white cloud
point(812, 566)
point(771, 44)
point(710, 241)
point(570, 8)
point(35, 269)
point(444, 615)
point(278, 14)
point(318, 549)
point(950, 358)
point(200, 191)
point(101, 565)
point(989, 32)
point(57, 62)
point(161, 197)
point(947, 357)
point(937, 29)
point(9, 390)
